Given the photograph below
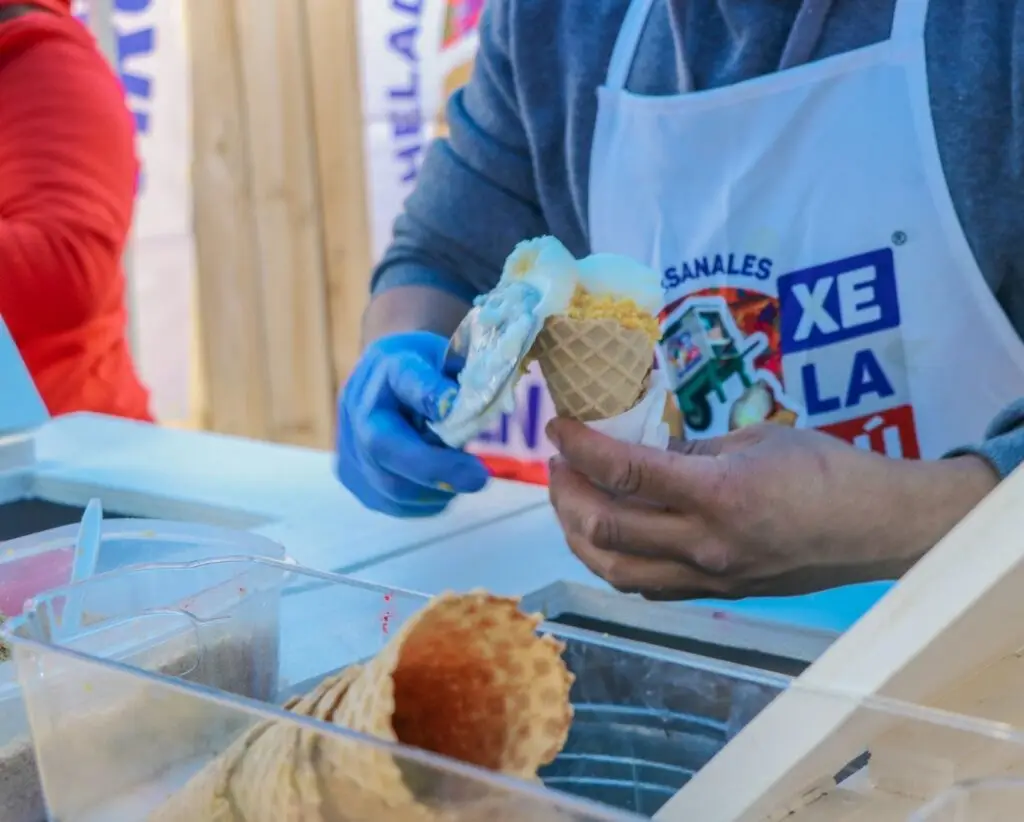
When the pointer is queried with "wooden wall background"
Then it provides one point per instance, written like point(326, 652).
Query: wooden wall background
point(282, 241)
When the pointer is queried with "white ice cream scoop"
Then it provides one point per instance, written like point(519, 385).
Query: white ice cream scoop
point(486, 352)
point(539, 280)
point(484, 356)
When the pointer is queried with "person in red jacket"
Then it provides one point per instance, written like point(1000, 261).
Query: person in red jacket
point(68, 174)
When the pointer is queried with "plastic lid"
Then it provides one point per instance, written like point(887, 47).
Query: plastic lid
point(39, 562)
point(21, 407)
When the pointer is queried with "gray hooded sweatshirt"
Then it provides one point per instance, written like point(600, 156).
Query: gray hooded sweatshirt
point(516, 163)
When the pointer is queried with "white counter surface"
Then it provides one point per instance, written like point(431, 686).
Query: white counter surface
point(527, 552)
point(523, 554)
point(285, 493)
point(505, 539)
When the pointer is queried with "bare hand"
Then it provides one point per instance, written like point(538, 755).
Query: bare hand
point(766, 510)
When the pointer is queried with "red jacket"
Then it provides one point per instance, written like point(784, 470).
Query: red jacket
point(68, 175)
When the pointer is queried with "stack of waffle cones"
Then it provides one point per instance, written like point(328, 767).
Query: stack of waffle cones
point(467, 677)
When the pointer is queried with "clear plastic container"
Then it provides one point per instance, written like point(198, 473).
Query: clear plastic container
point(984, 800)
point(34, 564)
point(116, 733)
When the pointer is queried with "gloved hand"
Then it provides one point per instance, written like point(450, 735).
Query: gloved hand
point(386, 456)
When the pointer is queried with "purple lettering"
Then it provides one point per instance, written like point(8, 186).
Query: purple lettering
point(816, 403)
point(408, 92)
point(525, 417)
point(403, 42)
point(530, 422)
point(409, 158)
point(405, 123)
point(866, 377)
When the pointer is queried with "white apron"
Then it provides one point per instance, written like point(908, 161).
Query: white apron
point(815, 269)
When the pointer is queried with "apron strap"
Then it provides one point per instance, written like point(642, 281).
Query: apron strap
point(908, 23)
point(626, 44)
point(805, 34)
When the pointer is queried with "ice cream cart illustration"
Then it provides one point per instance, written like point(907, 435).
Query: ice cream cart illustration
point(702, 351)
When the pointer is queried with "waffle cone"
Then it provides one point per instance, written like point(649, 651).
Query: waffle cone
point(594, 369)
point(206, 796)
point(248, 782)
point(466, 677)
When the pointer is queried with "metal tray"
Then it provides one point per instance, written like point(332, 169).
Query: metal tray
point(646, 718)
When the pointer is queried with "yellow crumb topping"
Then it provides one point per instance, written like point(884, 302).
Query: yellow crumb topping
point(523, 263)
point(628, 314)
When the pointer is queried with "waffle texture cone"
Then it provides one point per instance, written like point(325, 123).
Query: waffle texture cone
point(252, 780)
point(594, 369)
point(466, 677)
point(207, 796)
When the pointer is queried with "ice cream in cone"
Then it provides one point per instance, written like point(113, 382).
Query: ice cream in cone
point(467, 677)
point(597, 357)
point(592, 327)
point(596, 351)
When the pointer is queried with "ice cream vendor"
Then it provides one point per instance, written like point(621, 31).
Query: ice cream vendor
point(839, 184)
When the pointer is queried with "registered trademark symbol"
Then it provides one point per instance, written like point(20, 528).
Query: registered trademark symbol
point(899, 238)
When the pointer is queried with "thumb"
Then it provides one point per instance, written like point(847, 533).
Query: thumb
point(420, 386)
point(632, 470)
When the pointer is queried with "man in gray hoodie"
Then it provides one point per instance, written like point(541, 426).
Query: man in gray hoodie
point(836, 183)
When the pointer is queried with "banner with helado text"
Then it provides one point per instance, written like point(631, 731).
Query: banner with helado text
point(152, 60)
point(414, 54)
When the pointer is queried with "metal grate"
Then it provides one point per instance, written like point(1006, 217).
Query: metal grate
point(633, 759)
point(645, 724)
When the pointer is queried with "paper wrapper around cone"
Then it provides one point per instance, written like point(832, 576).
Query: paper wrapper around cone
point(466, 677)
point(600, 373)
point(645, 423)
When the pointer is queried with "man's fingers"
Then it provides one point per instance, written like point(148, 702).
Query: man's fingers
point(599, 519)
point(633, 470)
point(710, 447)
point(420, 386)
point(659, 579)
point(712, 590)
point(391, 444)
point(381, 491)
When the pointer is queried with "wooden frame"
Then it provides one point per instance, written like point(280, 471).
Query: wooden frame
point(282, 247)
point(949, 636)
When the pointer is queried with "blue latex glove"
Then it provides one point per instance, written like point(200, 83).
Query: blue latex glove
point(386, 456)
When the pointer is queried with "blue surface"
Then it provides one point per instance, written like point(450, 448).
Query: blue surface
point(833, 610)
point(526, 552)
point(21, 407)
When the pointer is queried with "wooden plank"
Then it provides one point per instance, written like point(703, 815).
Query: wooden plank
point(286, 205)
point(851, 806)
point(919, 765)
point(198, 405)
point(920, 760)
point(332, 48)
point(235, 381)
point(958, 611)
